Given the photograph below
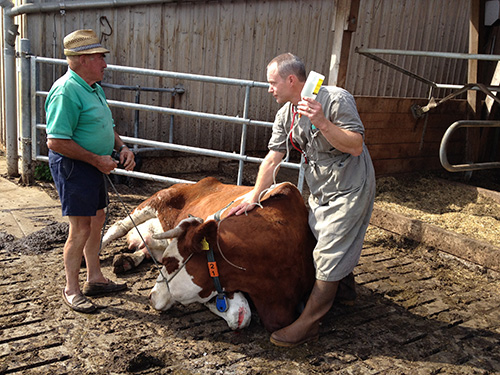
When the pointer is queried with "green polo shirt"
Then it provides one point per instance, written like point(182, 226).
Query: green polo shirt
point(80, 112)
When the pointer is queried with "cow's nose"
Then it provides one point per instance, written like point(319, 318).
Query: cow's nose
point(160, 297)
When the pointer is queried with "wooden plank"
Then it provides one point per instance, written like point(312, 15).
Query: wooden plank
point(370, 104)
point(412, 150)
point(394, 166)
point(381, 121)
point(375, 136)
point(478, 252)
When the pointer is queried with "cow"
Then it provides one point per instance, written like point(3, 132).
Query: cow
point(265, 254)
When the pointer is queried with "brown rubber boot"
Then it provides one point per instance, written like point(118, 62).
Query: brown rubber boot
point(306, 327)
point(346, 293)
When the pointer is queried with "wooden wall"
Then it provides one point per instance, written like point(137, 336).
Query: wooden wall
point(393, 136)
point(422, 25)
point(234, 39)
point(237, 38)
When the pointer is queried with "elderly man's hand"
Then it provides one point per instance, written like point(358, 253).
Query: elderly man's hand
point(105, 163)
point(127, 158)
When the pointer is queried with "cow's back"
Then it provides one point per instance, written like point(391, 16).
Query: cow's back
point(201, 200)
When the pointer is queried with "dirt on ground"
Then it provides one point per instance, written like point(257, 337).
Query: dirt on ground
point(418, 311)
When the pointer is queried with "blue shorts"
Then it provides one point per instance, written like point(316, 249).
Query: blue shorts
point(81, 186)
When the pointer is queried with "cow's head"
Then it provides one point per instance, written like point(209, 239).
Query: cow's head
point(181, 287)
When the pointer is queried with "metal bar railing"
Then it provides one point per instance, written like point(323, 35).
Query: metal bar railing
point(180, 112)
point(449, 55)
point(244, 121)
point(467, 166)
point(370, 53)
point(180, 148)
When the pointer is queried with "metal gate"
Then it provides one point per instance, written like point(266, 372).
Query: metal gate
point(30, 78)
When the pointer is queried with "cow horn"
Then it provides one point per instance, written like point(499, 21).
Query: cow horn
point(179, 229)
point(172, 233)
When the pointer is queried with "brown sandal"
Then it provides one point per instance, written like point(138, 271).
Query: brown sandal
point(92, 289)
point(79, 303)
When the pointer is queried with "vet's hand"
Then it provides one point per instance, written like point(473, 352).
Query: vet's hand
point(312, 109)
point(127, 158)
point(241, 208)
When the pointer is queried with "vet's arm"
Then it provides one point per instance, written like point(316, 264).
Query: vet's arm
point(264, 180)
point(73, 150)
point(343, 140)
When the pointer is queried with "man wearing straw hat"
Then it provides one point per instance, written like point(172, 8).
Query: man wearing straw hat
point(81, 138)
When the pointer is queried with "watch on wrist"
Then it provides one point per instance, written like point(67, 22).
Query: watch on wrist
point(122, 147)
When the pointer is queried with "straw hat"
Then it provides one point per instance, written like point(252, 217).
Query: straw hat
point(82, 42)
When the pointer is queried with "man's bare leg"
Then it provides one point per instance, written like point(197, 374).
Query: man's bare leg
point(79, 231)
point(306, 327)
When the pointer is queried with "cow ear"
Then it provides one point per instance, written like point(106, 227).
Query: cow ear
point(206, 234)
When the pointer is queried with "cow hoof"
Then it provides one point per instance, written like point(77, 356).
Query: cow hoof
point(122, 263)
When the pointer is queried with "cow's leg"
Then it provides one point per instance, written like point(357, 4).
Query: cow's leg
point(122, 227)
point(125, 262)
point(238, 314)
point(306, 327)
point(346, 293)
point(274, 314)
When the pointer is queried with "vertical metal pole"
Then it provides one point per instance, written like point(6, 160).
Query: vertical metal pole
point(25, 94)
point(300, 181)
point(171, 129)
point(10, 97)
point(244, 132)
point(35, 142)
point(136, 121)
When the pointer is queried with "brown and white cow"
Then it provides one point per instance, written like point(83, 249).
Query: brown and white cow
point(265, 255)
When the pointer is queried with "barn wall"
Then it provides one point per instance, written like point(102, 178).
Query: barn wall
point(421, 25)
point(3, 137)
point(237, 38)
point(233, 39)
point(393, 136)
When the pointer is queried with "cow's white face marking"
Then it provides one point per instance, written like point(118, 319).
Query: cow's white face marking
point(238, 315)
point(182, 287)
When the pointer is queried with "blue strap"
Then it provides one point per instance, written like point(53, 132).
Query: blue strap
point(221, 300)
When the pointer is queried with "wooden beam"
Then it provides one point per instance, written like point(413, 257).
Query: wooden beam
point(472, 71)
point(345, 23)
point(473, 135)
point(352, 23)
point(479, 252)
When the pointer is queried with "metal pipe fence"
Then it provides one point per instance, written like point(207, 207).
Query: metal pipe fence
point(244, 121)
point(466, 166)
